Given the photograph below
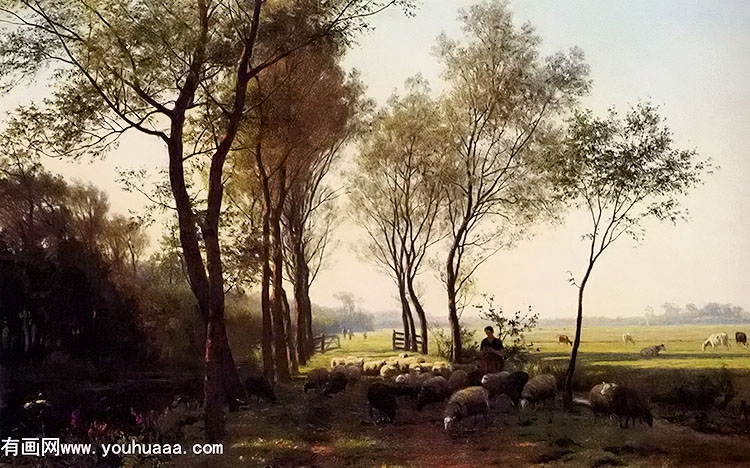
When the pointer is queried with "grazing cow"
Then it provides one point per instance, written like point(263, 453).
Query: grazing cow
point(627, 338)
point(652, 351)
point(740, 338)
point(563, 339)
point(716, 340)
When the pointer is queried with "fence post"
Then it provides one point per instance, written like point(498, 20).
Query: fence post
point(393, 341)
point(322, 343)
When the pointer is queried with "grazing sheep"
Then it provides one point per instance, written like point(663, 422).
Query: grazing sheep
point(259, 386)
point(336, 383)
point(407, 384)
point(441, 368)
point(372, 367)
point(338, 361)
point(317, 379)
point(627, 338)
point(424, 376)
point(493, 382)
point(433, 390)
point(403, 355)
point(512, 387)
point(382, 397)
point(392, 361)
point(652, 351)
point(740, 338)
point(457, 380)
point(630, 404)
point(353, 373)
point(474, 378)
point(600, 398)
point(470, 401)
point(716, 340)
point(540, 388)
point(563, 339)
point(388, 372)
point(339, 368)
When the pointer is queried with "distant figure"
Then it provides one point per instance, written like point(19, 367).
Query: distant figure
point(740, 338)
point(716, 340)
point(652, 351)
point(491, 350)
point(364, 335)
point(563, 339)
point(627, 338)
point(351, 335)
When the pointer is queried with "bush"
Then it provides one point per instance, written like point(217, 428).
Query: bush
point(444, 342)
point(699, 391)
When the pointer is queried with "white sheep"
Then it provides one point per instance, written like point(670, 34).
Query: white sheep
point(493, 382)
point(470, 401)
point(372, 367)
point(389, 372)
point(627, 338)
point(433, 390)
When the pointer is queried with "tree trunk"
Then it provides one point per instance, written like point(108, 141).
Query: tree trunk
point(214, 392)
point(301, 278)
point(405, 314)
point(308, 320)
point(412, 331)
point(453, 310)
point(265, 301)
point(277, 305)
point(290, 335)
point(568, 387)
point(420, 312)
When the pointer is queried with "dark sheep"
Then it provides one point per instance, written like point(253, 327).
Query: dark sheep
point(630, 404)
point(336, 383)
point(512, 387)
point(434, 390)
point(474, 378)
point(259, 386)
point(382, 397)
point(600, 398)
point(740, 338)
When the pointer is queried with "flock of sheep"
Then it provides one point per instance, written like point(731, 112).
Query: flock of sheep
point(469, 392)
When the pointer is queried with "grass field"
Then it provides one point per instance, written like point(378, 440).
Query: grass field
point(313, 431)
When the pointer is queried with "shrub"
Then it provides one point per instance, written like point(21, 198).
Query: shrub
point(698, 391)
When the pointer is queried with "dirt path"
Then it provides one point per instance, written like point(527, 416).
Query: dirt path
point(311, 431)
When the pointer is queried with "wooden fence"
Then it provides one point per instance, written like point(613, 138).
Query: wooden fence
point(398, 340)
point(325, 342)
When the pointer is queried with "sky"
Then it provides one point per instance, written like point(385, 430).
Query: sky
point(692, 58)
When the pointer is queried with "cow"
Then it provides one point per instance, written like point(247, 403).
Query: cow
point(652, 351)
point(627, 338)
point(740, 338)
point(716, 340)
point(563, 339)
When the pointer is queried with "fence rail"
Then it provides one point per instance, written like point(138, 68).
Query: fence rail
point(325, 342)
point(398, 340)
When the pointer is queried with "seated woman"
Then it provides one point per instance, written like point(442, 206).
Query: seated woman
point(492, 352)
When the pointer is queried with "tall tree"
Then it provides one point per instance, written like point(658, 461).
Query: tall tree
point(160, 68)
point(396, 193)
point(622, 172)
point(501, 103)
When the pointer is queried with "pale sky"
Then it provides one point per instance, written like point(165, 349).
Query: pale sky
point(690, 57)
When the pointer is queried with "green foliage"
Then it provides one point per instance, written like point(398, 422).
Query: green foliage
point(444, 343)
point(699, 391)
point(509, 329)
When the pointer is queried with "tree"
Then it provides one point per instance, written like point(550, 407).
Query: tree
point(501, 103)
point(396, 193)
point(165, 69)
point(623, 172)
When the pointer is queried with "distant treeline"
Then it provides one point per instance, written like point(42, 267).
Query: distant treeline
point(672, 314)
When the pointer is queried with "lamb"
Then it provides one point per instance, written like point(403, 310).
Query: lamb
point(540, 388)
point(316, 378)
point(627, 338)
point(388, 371)
point(652, 351)
point(470, 401)
point(260, 386)
point(457, 380)
point(630, 404)
point(716, 340)
point(600, 398)
point(433, 390)
point(336, 383)
point(382, 397)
